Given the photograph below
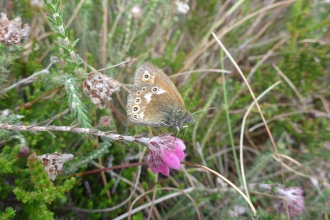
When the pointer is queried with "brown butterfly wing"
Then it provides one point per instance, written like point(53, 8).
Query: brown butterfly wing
point(152, 105)
point(157, 77)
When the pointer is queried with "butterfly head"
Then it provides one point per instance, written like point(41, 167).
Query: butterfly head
point(190, 118)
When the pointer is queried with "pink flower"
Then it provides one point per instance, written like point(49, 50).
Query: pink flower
point(183, 7)
point(24, 151)
point(165, 152)
point(136, 11)
point(295, 200)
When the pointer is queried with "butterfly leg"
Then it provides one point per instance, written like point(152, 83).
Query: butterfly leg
point(177, 133)
point(178, 129)
point(185, 130)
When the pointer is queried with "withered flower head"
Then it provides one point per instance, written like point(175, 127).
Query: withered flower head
point(10, 31)
point(295, 200)
point(99, 88)
point(54, 163)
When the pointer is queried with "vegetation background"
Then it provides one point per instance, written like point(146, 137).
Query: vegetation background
point(270, 40)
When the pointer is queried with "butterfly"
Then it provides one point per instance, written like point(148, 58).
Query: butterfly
point(155, 101)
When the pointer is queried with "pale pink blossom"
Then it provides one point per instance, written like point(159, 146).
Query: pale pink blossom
point(24, 151)
point(38, 3)
point(165, 152)
point(295, 200)
point(183, 7)
point(136, 11)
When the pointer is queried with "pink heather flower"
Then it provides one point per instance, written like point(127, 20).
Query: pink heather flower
point(105, 121)
point(24, 151)
point(165, 152)
point(183, 7)
point(295, 200)
point(136, 11)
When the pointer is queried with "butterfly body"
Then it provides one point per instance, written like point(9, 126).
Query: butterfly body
point(155, 101)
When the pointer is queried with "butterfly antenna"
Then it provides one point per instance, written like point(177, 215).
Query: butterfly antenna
point(204, 110)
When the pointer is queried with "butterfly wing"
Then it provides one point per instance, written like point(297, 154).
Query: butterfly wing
point(150, 74)
point(152, 105)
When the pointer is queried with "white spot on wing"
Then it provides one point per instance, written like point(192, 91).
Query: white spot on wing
point(141, 115)
point(160, 91)
point(148, 97)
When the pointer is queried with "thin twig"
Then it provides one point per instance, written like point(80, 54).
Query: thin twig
point(109, 67)
point(226, 150)
point(53, 60)
point(199, 70)
point(242, 134)
point(259, 63)
point(227, 181)
point(104, 33)
point(294, 88)
point(30, 104)
point(56, 116)
point(119, 205)
point(164, 198)
point(299, 173)
point(74, 14)
point(316, 114)
point(152, 200)
point(135, 188)
point(89, 131)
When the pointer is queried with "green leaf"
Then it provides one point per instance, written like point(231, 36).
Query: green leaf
point(52, 20)
point(75, 42)
point(66, 31)
point(58, 6)
point(71, 61)
point(63, 47)
point(59, 21)
point(78, 59)
point(60, 35)
point(51, 9)
point(8, 214)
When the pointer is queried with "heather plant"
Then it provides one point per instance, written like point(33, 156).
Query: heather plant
point(256, 73)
